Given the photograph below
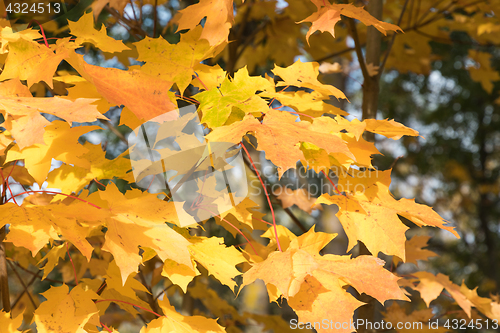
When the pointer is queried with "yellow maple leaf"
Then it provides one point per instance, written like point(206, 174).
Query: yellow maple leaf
point(313, 283)
point(10, 324)
point(175, 322)
point(219, 14)
point(431, 286)
point(414, 248)
point(28, 60)
point(28, 125)
point(305, 74)
point(140, 221)
point(58, 137)
point(85, 32)
point(179, 274)
point(483, 73)
point(368, 199)
point(65, 312)
point(219, 260)
point(174, 62)
point(389, 128)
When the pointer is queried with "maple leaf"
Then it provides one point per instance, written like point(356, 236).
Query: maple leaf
point(28, 60)
point(279, 136)
point(86, 33)
point(311, 104)
point(328, 15)
point(312, 283)
point(53, 256)
point(7, 35)
point(69, 178)
point(14, 88)
point(305, 74)
point(19, 173)
point(484, 72)
point(300, 197)
point(140, 221)
point(219, 260)
point(174, 62)
point(219, 19)
point(237, 94)
point(179, 274)
point(208, 77)
point(175, 322)
point(57, 137)
point(65, 312)
point(145, 95)
point(10, 324)
point(28, 125)
point(414, 249)
point(431, 286)
point(489, 308)
point(116, 290)
point(368, 199)
point(98, 6)
point(33, 225)
point(389, 128)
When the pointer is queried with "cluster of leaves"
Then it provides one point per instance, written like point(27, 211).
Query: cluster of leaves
point(113, 235)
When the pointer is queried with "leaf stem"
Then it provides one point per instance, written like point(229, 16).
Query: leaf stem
point(331, 182)
point(267, 195)
point(106, 327)
point(41, 30)
point(72, 264)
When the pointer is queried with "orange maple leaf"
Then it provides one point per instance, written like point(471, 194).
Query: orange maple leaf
point(279, 136)
point(145, 95)
point(327, 17)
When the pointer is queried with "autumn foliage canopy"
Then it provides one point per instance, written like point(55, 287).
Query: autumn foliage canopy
point(104, 252)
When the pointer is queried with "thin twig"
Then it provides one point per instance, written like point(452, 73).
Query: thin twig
point(151, 300)
point(113, 129)
point(33, 279)
point(357, 46)
point(388, 51)
point(164, 290)
point(46, 279)
point(22, 283)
